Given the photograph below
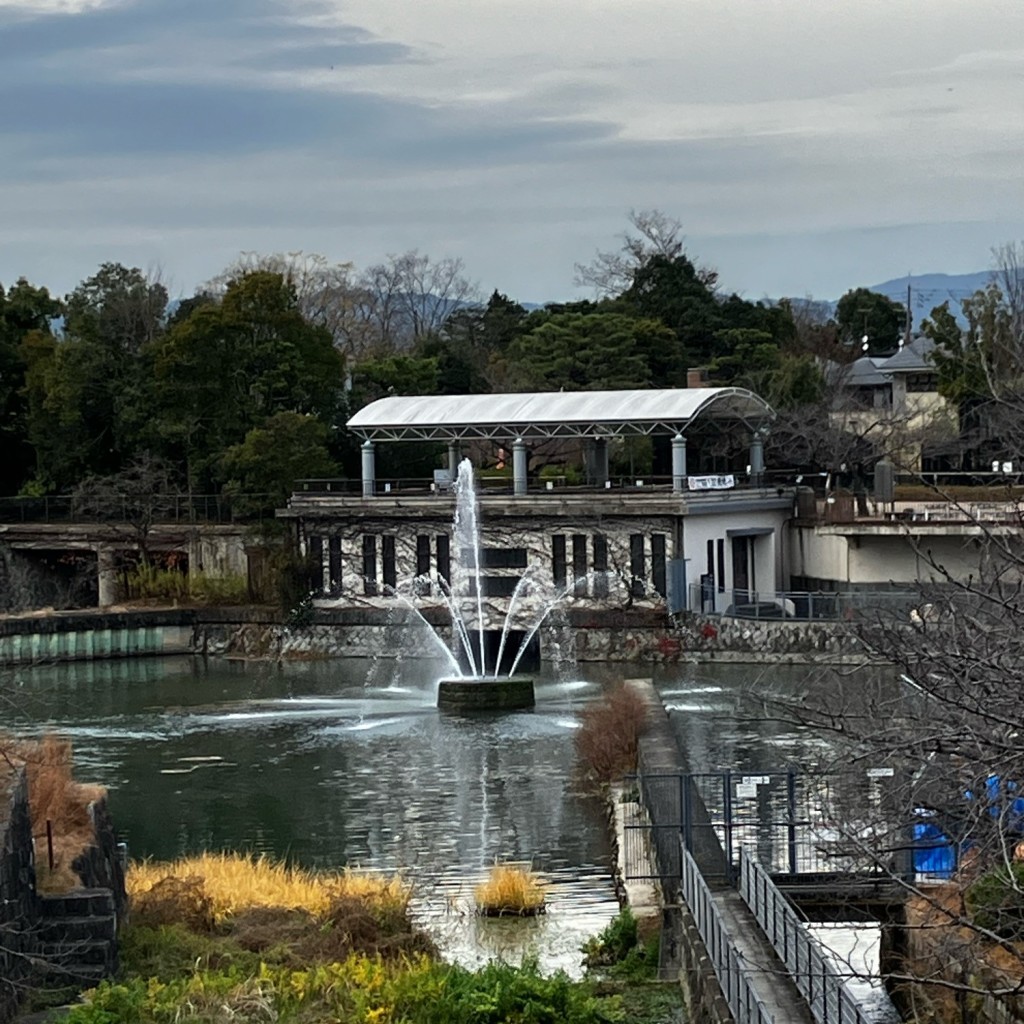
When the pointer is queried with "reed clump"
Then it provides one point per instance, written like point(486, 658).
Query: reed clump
point(608, 739)
point(233, 883)
point(510, 890)
point(58, 807)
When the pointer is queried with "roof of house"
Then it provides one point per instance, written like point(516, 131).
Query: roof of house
point(912, 358)
point(553, 414)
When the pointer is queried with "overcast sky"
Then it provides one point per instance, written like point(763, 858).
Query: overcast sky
point(807, 146)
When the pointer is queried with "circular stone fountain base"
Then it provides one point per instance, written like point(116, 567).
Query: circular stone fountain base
point(468, 694)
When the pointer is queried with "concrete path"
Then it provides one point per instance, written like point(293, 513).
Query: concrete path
point(771, 980)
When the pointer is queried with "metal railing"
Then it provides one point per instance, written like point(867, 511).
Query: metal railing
point(801, 605)
point(161, 509)
point(733, 975)
point(810, 967)
point(800, 824)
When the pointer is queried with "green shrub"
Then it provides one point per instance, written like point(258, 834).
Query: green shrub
point(152, 583)
point(619, 952)
point(995, 901)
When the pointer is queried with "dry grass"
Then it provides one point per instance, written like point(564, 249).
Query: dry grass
point(54, 797)
point(609, 734)
point(510, 890)
point(233, 883)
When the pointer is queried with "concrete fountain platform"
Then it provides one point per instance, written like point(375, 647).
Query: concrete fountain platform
point(511, 693)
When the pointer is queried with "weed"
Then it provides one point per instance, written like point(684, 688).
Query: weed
point(609, 734)
point(510, 890)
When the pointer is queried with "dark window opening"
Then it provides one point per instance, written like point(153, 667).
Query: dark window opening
point(658, 564)
point(388, 558)
point(501, 558)
point(721, 567)
point(334, 565)
point(637, 566)
point(369, 565)
point(316, 564)
point(600, 565)
point(558, 560)
point(444, 557)
point(422, 564)
point(494, 586)
point(579, 564)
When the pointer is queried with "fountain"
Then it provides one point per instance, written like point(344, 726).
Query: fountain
point(480, 689)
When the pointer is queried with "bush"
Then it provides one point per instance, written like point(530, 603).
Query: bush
point(995, 901)
point(608, 738)
point(619, 951)
point(151, 583)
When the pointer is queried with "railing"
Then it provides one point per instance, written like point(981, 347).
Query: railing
point(808, 964)
point(639, 483)
point(799, 824)
point(730, 968)
point(801, 605)
point(162, 508)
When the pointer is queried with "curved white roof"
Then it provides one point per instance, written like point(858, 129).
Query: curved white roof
point(553, 413)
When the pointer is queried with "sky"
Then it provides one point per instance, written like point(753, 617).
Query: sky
point(806, 146)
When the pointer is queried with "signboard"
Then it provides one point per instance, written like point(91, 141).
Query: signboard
point(746, 789)
point(711, 483)
point(880, 773)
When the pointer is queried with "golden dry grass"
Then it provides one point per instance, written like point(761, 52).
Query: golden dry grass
point(234, 883)
point(510, 889)
point(54, 797)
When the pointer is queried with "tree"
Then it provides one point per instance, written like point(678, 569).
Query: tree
point(231, 366)
point(863, 314)
point(581, 352)
point(409, 296)
point(655, 235)
point(25, 310)
point(131, 501)
point(259, 473)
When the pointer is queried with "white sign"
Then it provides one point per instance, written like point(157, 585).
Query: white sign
point(756, 780)
point(880, 773)
point(745, 791)
point(711, 483)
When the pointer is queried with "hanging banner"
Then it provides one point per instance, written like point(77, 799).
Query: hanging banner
point(711, 483)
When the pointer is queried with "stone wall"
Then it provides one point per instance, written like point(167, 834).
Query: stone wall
point(712, 638)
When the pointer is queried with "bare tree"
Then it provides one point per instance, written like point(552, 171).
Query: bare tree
point(409, 296)
point(654, 234)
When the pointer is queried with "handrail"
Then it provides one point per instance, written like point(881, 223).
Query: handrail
point(810, 968)
point(157, 508)
point(730, 968)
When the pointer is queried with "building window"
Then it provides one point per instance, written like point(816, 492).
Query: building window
point(658, 563)
point(579, 565)
point(422, 565)
point(369, 565)
point(494, 586)
point(922, 382)
point(637, 565)
point(388, 558)
point(444, 558)
point(721, 567)
point(600, 565)
point(501, 558)
point(558, 560)
point(316, 564)
point(334, 565)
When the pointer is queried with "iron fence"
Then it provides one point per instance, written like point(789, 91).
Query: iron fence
point(160, 508)
point(805, 958)
point(802, 605)
point(734, 977)
point(849, 824)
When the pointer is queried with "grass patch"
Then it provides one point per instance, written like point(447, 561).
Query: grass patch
point(233, 883)
point(510, 890)
point(153, 583)
point(609, 734)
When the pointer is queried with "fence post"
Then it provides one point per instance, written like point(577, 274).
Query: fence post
point(684, 785)
point(727, 808)
point(791, 813)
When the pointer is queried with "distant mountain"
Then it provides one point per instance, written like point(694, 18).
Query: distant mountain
point(930, 290)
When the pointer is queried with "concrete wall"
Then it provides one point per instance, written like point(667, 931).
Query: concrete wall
point(886, 555)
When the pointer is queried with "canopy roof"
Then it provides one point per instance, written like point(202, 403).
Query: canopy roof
point(554, 414)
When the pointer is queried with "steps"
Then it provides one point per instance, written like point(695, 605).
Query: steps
point(77, 938)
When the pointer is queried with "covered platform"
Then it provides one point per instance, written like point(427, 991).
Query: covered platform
point(518, 420)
